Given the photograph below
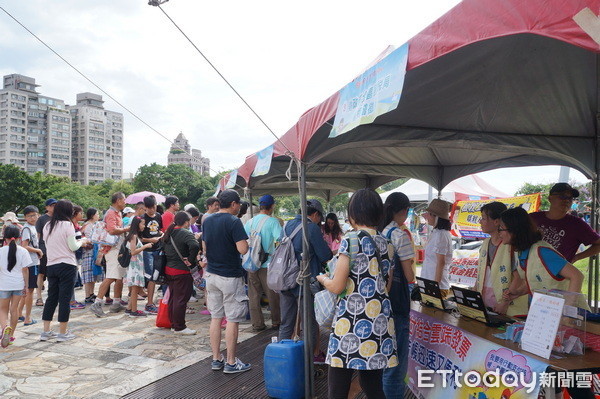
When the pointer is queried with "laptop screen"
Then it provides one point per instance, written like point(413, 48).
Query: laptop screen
point(430, 293)
point(470, 304)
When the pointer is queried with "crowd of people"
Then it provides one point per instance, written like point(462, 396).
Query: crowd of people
point(374, 264)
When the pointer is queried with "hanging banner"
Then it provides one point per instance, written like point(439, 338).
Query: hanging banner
point(373, 93)
point(230, 179)
point(263, 163)
point(467, 214)
point(464, 267)
point(447, 362)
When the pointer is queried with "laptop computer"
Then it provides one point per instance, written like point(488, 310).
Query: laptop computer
point(470, 304)
point(431, 295)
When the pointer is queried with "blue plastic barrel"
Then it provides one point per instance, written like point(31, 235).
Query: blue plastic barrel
point(284, 369)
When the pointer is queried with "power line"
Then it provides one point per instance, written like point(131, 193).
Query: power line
point(157, 3)
point(104, 91)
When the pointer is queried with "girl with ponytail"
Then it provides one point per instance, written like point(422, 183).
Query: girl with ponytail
point(14, 260)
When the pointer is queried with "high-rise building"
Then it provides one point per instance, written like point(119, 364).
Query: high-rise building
point(97, 147)
point(35, 130)
point(182, 153)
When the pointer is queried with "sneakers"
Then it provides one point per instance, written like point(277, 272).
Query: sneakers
point(257, 329)
point(186, 331)
point(12, 339)
point(90, 299)
point(127, 311)
point(96, 309)
point(65, 337)
point(238, 367)
point(46, 335)
point(137, 313)
point(5, 338)
point(193, 299)
point(218, 364)
point(205, 312)
point(108, 301)
point(116, 307)
point(76, 305)
point(123, 303)
point(319, 359)
point(151, 308)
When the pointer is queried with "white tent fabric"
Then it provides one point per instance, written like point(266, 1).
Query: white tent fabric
point(471, 185)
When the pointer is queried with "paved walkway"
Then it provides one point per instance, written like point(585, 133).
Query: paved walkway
point(109, 358)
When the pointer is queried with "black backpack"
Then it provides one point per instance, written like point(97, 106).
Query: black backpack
point(124, 256)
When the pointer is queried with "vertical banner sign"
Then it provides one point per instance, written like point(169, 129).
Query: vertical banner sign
point(230, 179)
point(445, 353)
point(467, 214)
point(373, 93)
point(263, 163)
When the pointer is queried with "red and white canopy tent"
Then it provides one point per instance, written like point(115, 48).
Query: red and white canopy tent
point(491, 84)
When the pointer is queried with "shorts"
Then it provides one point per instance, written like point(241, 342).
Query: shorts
point(226, 297)
point(33, 273)
point(8, 294)
point(113, 267)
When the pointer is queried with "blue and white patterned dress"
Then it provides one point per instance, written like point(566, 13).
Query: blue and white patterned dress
point(362, 334)
point(135, 271)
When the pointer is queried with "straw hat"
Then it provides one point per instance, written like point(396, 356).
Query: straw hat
point(10, 217)
point(439, 208)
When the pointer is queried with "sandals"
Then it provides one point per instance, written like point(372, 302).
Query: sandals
point(189, 310)
point(39, 302)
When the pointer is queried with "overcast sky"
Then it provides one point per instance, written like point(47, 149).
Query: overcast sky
point(284, 58)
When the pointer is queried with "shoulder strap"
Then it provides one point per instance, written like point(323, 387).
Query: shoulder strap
point(176, 249)
point(389, 233)
point(260, 225)
point(296, 230)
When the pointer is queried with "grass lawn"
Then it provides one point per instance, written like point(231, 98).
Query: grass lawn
point(583, 265)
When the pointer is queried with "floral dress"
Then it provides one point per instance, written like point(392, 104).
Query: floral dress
point(362, 334)
point(89, 258)
point(135, 271)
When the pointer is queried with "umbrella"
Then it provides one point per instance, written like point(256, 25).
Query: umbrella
point(138, 197)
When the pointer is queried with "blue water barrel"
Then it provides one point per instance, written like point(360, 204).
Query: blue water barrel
point(284, 369)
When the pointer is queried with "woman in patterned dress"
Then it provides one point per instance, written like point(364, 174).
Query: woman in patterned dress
point(362, 336)
point(89, 258)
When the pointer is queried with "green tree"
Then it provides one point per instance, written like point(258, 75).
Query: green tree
point(392, 185)
point(16, 189)
point(532, 188)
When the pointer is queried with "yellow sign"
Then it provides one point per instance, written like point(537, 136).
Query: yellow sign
point(467, 214)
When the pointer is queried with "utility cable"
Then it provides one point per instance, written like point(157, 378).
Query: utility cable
point(104, 91)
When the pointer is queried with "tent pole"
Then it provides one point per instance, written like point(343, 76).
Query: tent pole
point(307, 306)
point(250, 206)
point(593, 262)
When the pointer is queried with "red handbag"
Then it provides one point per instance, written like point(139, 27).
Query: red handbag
point(162, 318)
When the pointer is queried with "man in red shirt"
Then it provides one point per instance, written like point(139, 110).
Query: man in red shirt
point(172, 207)
point(114, 272)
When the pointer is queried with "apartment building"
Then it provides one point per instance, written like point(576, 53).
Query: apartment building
point(182, 153)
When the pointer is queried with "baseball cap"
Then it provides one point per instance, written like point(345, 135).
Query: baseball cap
point(128, 210)
point(228, 196)
point(313, 203)
point(266, 200)
point(50, 202)
point(562, 187)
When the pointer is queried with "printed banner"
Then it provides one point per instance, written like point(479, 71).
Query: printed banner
point(230, 179)
point(263, 163)
point(463, 269)
point(373, 93)
point(466, 214)
point(435, 347)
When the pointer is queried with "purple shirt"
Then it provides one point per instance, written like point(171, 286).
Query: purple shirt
point(565, 234)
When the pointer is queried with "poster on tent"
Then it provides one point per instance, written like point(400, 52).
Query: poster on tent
point(263, 162)
point(467, 214)
point(435, 346)
point(373, 93)
point(464, 267)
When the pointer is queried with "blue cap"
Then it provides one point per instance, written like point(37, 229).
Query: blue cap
point(50, 202)
point(266, 200)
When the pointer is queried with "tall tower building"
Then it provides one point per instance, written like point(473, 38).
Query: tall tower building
point(182, 153)
point(35, 130)
point(97, 147)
